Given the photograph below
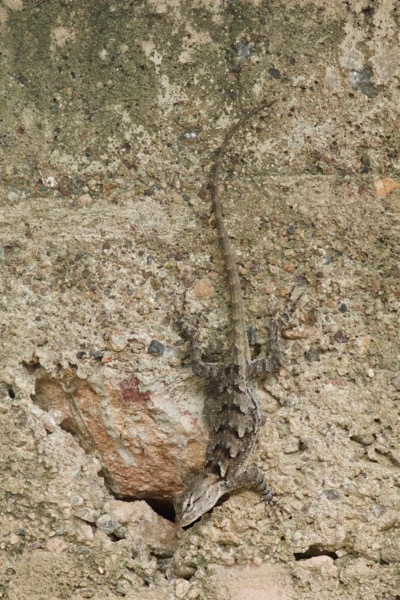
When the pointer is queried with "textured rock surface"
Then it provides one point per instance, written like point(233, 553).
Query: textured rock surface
point(142, 440)
point(110, 115)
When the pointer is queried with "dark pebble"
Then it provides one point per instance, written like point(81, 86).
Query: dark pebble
point(312, 355)
point(332, 494)
point(156, 347)
point(275, 73)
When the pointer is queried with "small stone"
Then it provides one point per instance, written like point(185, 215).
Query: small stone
point(5, 405)
point(122, 588)
point(396, 383)
point(384, 187)
point(365, 439)
point(57, 415)
point(376, 285)
point(292, 446)
point(87, 514)
point(332, 494)
point(12, 196)
point(181, 588)
point(312, 355)
point(395, 458)
point(56, 545)
point(227, 559)
point(77, 501)
point(361, 80)
point(289, 267)
point(269, 287)
point(156, 347)
point(118, 341)
point(300, 333)
point(120, 531)
point(181, 569)
point(320, 563)
point(49, 178)
point(85, 200)
point(121, 511)
point(341, 337)
point(203, 289)
point(13, 539)
point(49, 422)
point(275, 73)
point(377, 510)
point(87, 592)
point(370, 373)
point(106, 524)
point(190, 136)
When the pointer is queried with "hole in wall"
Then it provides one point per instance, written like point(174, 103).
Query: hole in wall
point(163, 508)
point(314, 551)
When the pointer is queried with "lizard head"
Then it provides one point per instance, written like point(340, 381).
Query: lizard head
point(200, 497)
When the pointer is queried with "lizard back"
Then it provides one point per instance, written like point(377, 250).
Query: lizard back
point(231, 409)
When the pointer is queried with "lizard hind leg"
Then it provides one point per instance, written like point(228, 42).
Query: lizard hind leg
point(261, 367)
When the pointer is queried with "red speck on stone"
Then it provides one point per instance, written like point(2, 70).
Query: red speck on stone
point(130, 391)
point(20, 131)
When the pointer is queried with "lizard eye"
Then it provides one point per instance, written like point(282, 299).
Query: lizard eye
point(189, 505)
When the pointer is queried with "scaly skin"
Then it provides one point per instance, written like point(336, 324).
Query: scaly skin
point(232, 409)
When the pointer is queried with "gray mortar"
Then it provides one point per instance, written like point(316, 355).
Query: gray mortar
point(105, 113)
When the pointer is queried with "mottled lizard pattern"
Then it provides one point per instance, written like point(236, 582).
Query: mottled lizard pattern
point(232, 410)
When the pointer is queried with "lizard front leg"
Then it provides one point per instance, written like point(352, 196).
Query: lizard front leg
point(261, 367)
point(206, 370)
point(203, 369)
point(253, 477)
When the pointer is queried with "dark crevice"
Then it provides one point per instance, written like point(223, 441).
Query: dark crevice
point(314, 551)
point(162, 507)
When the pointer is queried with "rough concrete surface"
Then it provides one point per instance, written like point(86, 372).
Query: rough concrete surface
point(110, 113)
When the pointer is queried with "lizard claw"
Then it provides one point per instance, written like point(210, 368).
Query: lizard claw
point(278, 509)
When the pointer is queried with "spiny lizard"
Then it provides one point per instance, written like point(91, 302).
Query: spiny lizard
point(232, 410)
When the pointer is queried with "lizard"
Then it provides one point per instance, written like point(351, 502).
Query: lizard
point(231, 408)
